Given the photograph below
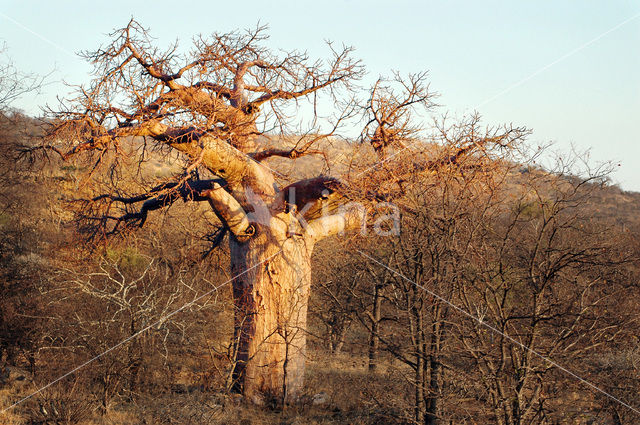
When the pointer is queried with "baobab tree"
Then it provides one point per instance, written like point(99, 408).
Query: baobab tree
point(214, 107)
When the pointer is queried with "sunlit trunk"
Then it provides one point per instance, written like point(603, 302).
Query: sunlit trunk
point(271, 294)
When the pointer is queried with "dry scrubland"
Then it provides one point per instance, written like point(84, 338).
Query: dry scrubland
point(120, 257)
point(62, 304)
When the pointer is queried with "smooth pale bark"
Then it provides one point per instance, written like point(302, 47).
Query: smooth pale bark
point(271, 293)
point(230, 212)
point(330, 225)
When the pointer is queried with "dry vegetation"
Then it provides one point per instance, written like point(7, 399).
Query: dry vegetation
point(501, 272)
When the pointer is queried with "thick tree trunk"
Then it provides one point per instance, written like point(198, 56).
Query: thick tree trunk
point(271, 294)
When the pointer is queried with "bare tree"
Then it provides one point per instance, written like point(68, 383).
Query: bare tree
point(211, 107)
point(439, 215)
point(133, 291)
point(20, 263)
point(13, 82)
point(338, 293)
point(534, 279)
point(391, 108)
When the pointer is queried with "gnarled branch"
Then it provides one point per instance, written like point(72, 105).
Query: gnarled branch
point(390, 122)
point(230, 212)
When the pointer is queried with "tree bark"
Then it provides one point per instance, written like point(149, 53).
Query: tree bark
point(433, 367)
point(271, 293)
point(432, 398)
point(419, 347)
point(374, 336)
point(338, 336)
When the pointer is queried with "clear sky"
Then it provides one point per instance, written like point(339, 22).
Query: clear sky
point(567, 69)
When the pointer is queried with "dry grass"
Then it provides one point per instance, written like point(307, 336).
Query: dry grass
point(11, 417)
point(353, 396)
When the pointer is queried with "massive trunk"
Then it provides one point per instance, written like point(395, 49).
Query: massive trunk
point(271, 294)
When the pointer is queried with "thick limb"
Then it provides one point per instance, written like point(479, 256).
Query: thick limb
point(230, 212)
point(335, 224)
point(222, 159)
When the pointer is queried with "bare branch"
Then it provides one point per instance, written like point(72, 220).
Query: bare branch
point(230, 212)
point(390, 122)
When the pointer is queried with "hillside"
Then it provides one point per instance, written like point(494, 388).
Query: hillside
point(63, 302)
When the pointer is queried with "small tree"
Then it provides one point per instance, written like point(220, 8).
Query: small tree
point(20, 265)
point(13, 82)
point(538, 279)
point(439, 219)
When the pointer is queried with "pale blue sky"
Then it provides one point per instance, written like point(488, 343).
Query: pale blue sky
point(474, 50)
